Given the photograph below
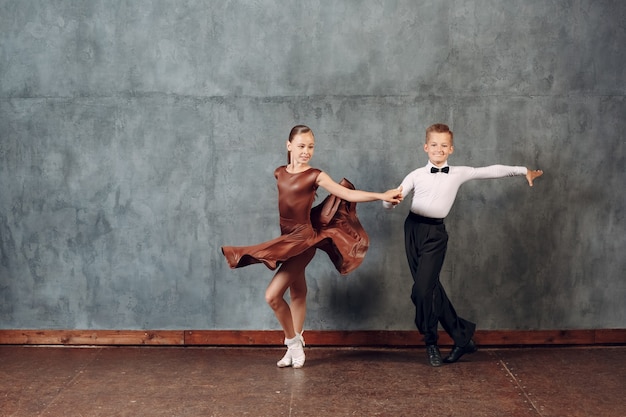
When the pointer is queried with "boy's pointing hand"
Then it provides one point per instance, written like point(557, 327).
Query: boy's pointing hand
point(532, 174)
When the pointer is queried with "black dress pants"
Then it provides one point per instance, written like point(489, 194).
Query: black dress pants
point(426, 241)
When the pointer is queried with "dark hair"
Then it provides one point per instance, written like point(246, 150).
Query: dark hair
point(439, 128)
point(297, 130)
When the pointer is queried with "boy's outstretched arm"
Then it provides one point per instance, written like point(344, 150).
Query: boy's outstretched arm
point(532, 174)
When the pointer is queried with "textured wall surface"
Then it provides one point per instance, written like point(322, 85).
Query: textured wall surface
point(136, 138)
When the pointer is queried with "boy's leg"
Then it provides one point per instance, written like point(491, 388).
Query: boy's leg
point(459, 329)
point(425, 247)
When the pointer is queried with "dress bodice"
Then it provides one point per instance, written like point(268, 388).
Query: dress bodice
point(296, 193)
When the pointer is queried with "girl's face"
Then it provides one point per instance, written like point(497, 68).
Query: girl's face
point(301, 148)
point(438, 146)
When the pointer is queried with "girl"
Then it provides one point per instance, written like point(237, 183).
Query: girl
point(343, 239)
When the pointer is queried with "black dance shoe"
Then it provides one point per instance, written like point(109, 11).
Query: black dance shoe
point(434, 356)
point(459, 351)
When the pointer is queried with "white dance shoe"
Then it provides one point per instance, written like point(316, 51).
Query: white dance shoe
point(295, 353)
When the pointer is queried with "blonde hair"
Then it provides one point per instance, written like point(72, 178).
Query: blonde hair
point(439, 128)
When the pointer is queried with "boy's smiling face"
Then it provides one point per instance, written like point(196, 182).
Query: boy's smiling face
point(438, 146)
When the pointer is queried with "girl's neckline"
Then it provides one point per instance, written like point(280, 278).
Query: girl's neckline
point(299, 172)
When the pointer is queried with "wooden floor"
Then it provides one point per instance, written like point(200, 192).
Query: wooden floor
point(231, 381)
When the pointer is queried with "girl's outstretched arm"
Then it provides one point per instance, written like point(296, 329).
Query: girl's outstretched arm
point(393, 196)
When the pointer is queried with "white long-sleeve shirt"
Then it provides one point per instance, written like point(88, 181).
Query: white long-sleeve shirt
point(434, 194)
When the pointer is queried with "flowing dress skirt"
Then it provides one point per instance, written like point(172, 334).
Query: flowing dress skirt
point(343, 239)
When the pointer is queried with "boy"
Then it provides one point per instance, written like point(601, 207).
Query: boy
point(434, 190)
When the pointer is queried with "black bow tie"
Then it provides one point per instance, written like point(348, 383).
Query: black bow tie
point(434, 170)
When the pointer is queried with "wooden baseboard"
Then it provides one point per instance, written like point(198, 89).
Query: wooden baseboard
point(379, 338)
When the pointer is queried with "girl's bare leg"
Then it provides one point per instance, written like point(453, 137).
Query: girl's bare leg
point(290, 276)
point(297, 294)
point(291, 318)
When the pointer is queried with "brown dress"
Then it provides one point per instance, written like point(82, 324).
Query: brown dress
point(343, 238)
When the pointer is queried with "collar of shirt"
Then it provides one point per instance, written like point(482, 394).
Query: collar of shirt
point(430, 165)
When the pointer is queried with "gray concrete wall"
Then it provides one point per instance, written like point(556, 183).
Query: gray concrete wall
point(136, 138)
